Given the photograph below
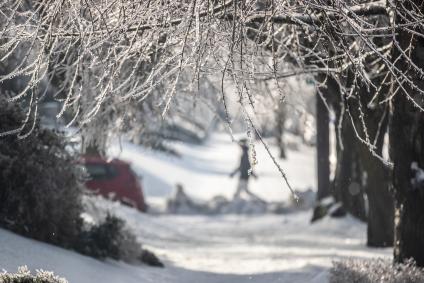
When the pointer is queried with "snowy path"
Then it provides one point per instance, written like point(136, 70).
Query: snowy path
point(210, 249)
point(224, 249)
point(267, 248)
point(235, 248)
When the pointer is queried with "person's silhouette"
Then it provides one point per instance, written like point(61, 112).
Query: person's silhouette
point(245, 170)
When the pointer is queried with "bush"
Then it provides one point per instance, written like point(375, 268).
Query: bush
point(39, 188)
point(109, 240)
point(149, 258)
point(24, 276)
point(40, 194)
point(375, 271)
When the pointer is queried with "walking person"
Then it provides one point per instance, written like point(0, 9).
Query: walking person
point(244, 170)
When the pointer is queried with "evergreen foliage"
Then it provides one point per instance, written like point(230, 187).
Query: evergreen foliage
point(39, 188)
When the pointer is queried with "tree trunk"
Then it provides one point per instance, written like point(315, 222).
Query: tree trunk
point(281, 120)
point(376, 183)
point(348, 184)
point(407, 141)
point(358, 173)
point(381, 205)
point(323, 149)
point(363, 174)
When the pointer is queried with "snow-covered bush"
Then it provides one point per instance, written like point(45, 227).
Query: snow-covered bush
point(109, 239)
point(39, 187)
point(25, 276)
point(40, 195)
point(375, 271)
point(106, 235)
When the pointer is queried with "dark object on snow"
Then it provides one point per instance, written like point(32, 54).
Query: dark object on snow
point(181, 203)
point(103, 240)
point(320, 211)
point(328, 206)
point(109, 239)
point(337, 211)
point(321, 208)
point(149, 258)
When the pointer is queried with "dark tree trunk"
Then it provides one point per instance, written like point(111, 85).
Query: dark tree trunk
point(358, 173)
point(380, 219)
point(361, 174)
point(407, 143)
point(406, 140)
point(380, 229)
point(327, 96)
point(281, 121)
point(323, 149)
point(348, 184)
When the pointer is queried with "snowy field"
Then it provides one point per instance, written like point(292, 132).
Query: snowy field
point(210, 249)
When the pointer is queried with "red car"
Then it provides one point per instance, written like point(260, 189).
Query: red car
point(114, 179)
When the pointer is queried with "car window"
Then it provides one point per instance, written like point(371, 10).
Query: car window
point(100, 171)
point(112, 171)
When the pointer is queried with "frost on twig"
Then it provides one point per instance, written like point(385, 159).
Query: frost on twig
point(103, 59)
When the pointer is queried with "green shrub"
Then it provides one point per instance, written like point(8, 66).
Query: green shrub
point(109, 239)
point(39, 188)
point(149, 258)
point(40, 194)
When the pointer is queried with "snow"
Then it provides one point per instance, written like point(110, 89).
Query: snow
point(209, 248)
point(203, 170)
point(229, 248)
point(258, 244)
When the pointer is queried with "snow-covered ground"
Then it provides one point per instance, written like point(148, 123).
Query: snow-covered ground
point(210, 249)
point(204, 170)
point(206, 249)
point(250, 248)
